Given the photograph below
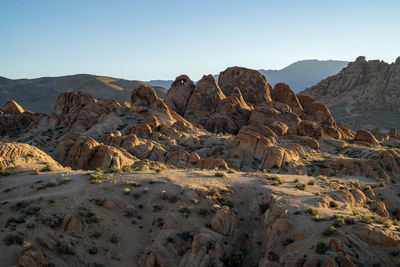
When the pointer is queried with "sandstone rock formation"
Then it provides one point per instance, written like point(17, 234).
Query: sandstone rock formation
point(252, 84)
point(204, 100)
point(179, 94)
point(19, 157)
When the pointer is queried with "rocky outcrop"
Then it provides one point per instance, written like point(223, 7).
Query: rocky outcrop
point(12, 107)
point(231, 114)
point(252, 84)
point(366, 136)
point(282, 93)
point(365, 94)
point(179, 94)
point(276, 116)
point(19, 157)
point(204, 100)
point(80, 152)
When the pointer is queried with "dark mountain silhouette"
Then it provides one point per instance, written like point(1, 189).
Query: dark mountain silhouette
point(40, 94)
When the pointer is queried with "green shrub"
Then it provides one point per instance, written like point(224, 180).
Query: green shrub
point(321, 248)
point(333, 204)
point(300, 186)
point(203, 211)
point(329, 230)
point(311, 182)
point(13, 239)
point(234, 259)
point(220, 174)
point(133, 184)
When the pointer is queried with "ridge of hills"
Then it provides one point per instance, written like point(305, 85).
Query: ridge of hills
point(40, 94)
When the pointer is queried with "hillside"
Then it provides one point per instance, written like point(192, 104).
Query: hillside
point(298, 76)
point(40, 94)
point(365, 94)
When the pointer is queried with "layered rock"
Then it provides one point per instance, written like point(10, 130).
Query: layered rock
point(19, 157)
point(80, 152)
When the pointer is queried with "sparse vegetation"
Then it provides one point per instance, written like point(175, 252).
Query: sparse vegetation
point(329, 230)
point(333, 204)
point(321, 248)
point(220, 174)
point(300, 186)
point(272, 256)
point(13, 239)
point(311, 182)
point(263, 207)
point(127, 190)
point(3, 171)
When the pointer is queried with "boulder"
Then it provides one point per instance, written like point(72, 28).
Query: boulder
point(282, 93)
point(204, 100)
point(309, 142)
point(277, 157)
point(80, 152)
point(72, 225)
point(232, 113)
point(32, 256)
point(277, 116)
point(316, 109)
point(20, 157)
point(307, 128)
point(366, 136)
point(252, 84)
point(179, 94)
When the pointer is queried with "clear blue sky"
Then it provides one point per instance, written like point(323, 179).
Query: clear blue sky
point(162, 39)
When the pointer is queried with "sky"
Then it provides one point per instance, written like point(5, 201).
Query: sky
point(150, 39)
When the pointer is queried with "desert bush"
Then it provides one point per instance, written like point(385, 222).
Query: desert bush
point(333, 204)
point(311, 182)
point(272, 256)
point(203, 211)
point(300, 186)
point(321, 248)
point(127, 190)
point(329, 230)
point(220, 174)
point(263, 207)
point(13, 239)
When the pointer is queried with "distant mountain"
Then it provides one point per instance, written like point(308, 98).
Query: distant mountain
point(298, 76)
point(305, 73)
point(160, 83)
point(40, 94)
point(365, 94)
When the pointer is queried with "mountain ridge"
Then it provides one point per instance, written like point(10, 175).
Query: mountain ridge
point(39, 94)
